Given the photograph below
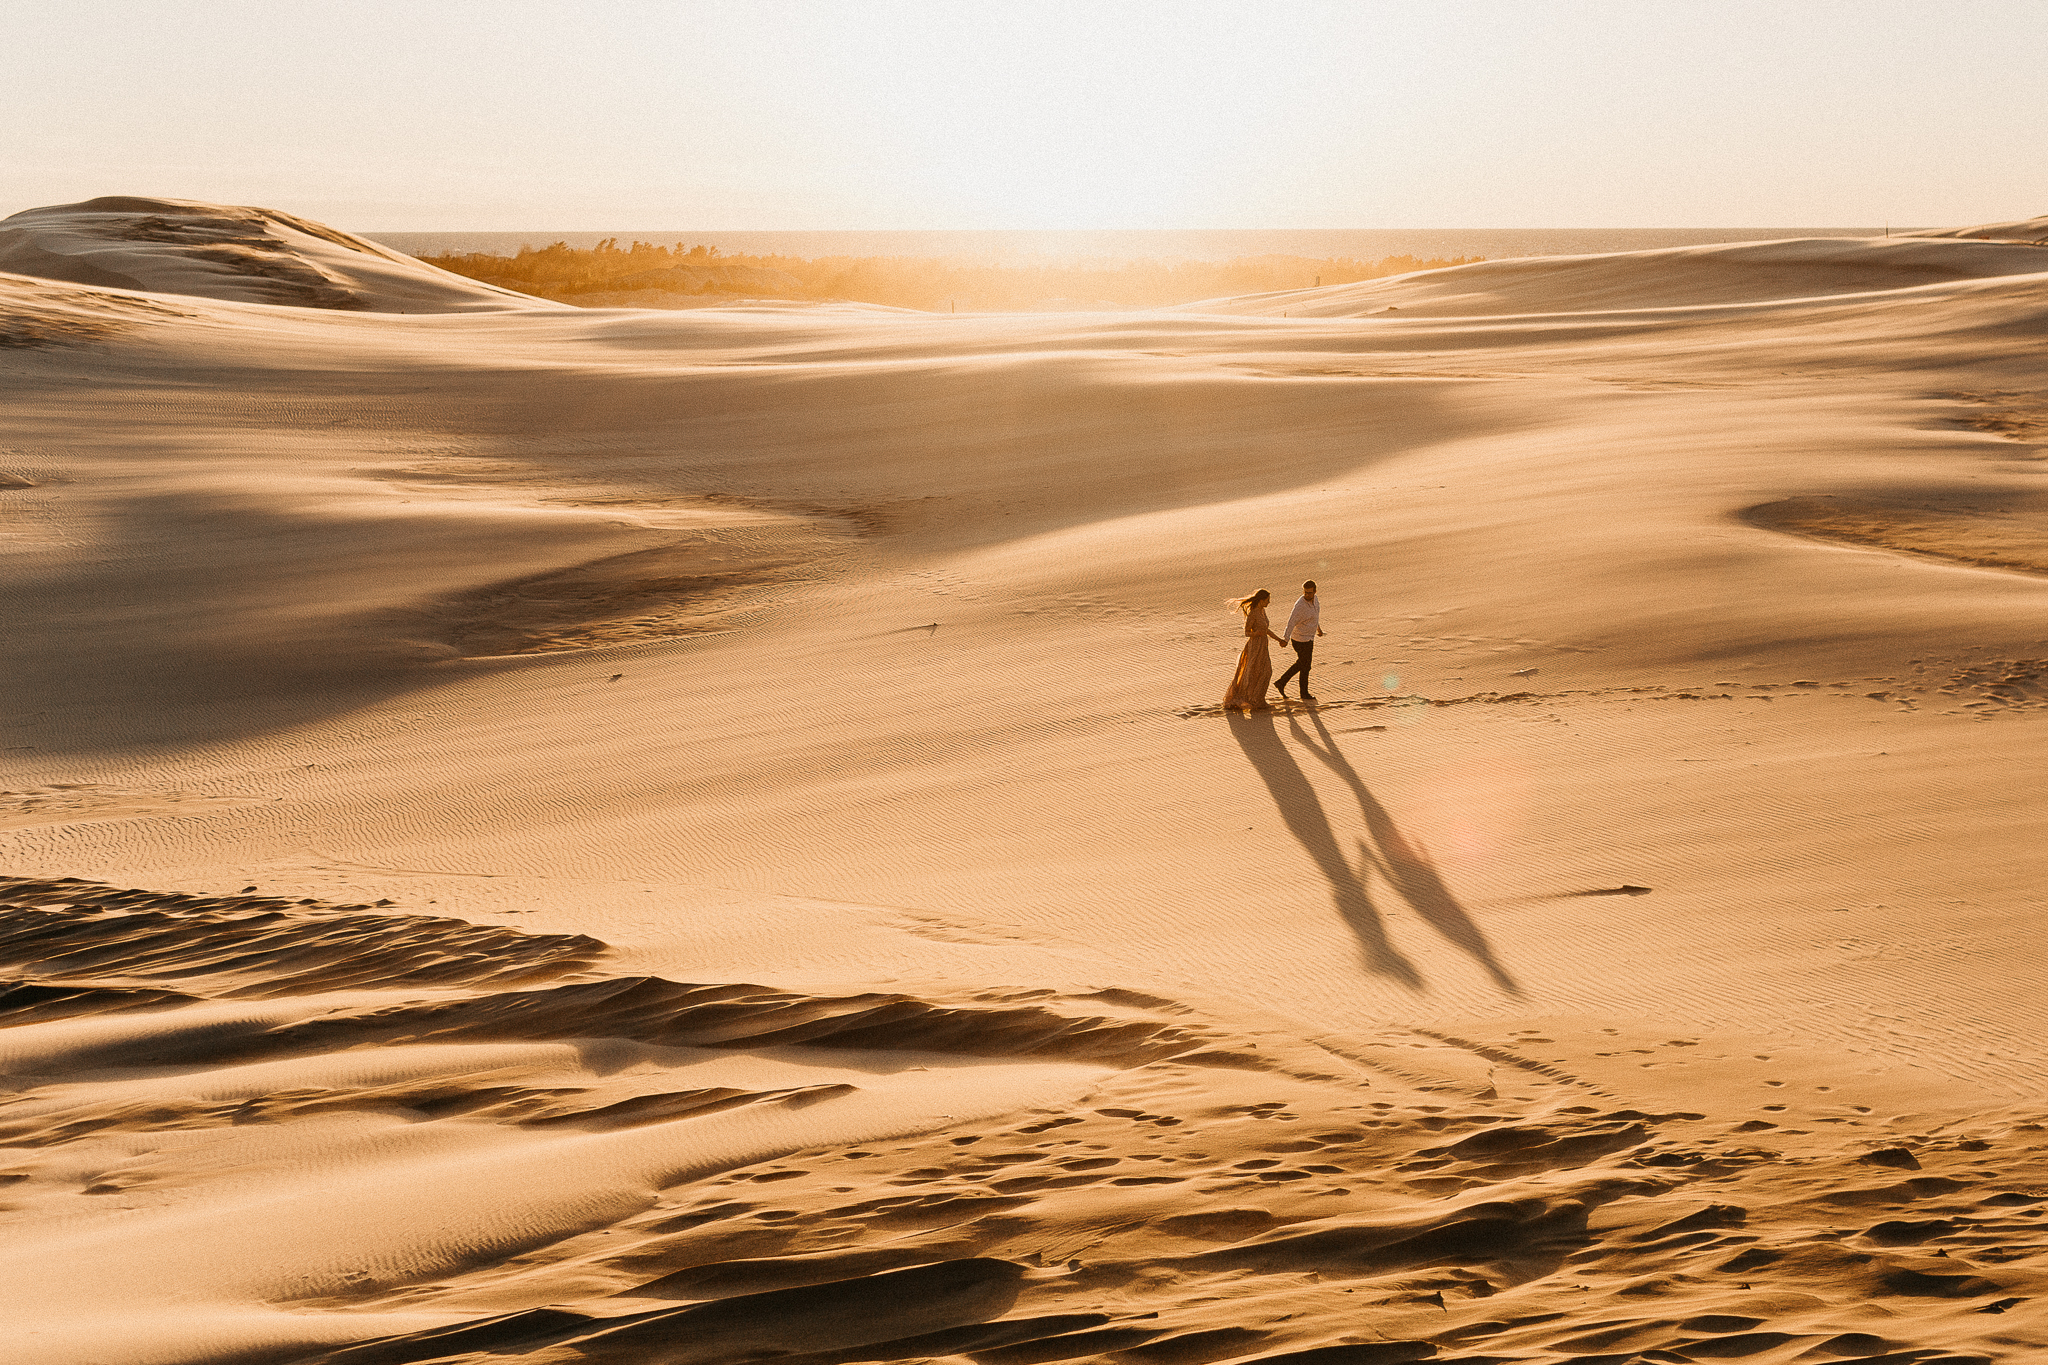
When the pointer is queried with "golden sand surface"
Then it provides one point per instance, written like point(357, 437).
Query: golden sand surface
point(555, 834)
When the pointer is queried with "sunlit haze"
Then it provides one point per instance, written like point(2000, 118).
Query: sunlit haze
point(1046, 114)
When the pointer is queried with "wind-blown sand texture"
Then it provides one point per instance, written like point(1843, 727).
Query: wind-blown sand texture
point(561, 835)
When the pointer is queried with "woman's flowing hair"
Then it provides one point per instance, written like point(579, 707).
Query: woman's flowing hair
point(1244, 605)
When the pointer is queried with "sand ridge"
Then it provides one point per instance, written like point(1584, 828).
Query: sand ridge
point(182, 246)
point(1665, 277)
point(1209, 1224)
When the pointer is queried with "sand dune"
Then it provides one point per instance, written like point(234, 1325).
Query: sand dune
point(1671, 277)
point(215, 251)
point(2023, 230)
point(710, 836)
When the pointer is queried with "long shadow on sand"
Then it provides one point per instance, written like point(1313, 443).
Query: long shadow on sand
point(1404, 864)
point(1302, 810)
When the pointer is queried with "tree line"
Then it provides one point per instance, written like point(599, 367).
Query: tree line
point(932, 283)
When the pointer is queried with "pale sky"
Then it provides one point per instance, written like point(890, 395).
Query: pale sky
point(807, 114)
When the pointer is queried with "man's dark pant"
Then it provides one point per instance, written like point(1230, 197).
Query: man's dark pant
point(1304, 659)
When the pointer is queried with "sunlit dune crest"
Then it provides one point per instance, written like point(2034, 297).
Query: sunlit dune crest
point(2024, 230)
point(251, 255)
point(711, 834)
point(1670, 277)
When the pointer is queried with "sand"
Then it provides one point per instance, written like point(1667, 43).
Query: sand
point(215, 251)
point(708, 835)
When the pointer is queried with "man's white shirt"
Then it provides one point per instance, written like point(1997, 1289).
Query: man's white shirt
point(1306, 619)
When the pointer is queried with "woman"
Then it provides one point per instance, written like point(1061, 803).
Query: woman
point(1255, 665)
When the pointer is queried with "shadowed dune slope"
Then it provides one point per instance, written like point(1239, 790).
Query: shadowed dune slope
point(322, 530)
point(250, 947)
point(220, 251)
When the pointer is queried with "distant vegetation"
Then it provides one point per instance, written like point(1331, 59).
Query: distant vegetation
point(677, 275)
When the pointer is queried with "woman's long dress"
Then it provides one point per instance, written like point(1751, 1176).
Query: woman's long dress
point(1254, 667)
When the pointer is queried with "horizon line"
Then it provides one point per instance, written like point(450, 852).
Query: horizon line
point(1438, 227)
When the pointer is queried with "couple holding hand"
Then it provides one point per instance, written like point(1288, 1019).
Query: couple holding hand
point(1255, 665)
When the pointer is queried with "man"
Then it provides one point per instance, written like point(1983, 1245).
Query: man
point(1303, 625)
